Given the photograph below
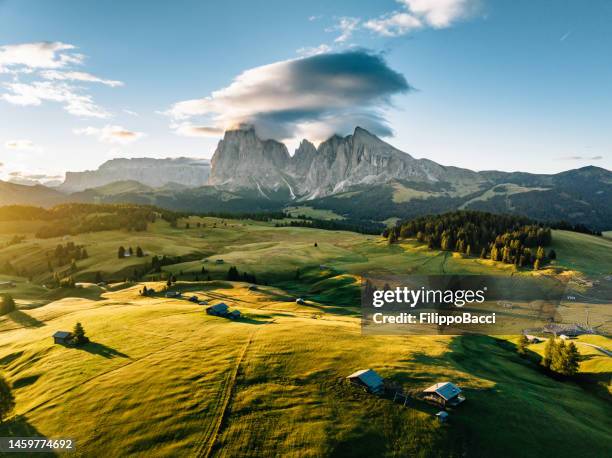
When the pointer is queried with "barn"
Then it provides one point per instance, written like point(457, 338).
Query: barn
point(62, 337)
point(444, 393)
point(368, 379)
point(220, 309)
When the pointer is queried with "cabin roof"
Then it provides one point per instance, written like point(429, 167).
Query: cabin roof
point(221, 307)
point(447, 390)
point(367, 377)
point(62, 334)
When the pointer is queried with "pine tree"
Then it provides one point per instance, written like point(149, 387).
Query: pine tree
point(483, 253)
point(7, 400)
point(121, 252)
point(552, 254)
point(571, 360)
point(558, 357)
point(549, 351)
point(131, 251)
point(79, 337)
point(536, 264)
point(521, 346)
point(468, 250)
point(139, 252)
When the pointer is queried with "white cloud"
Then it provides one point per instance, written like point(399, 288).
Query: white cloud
point(418, 14)
point(21, 145)
point(33, 94)
point(187, 129)
point(394, 25)
point(313, 51)
point(439, 13)
point(111, 134)
point(322, 94)
point(346, 26)
point(43, 71)
point(38, 55)
point(78, 76)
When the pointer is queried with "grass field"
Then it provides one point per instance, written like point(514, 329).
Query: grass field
point(162, 378)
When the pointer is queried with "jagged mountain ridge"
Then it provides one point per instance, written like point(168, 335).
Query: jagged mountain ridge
point(148, 171)
point(242, 160)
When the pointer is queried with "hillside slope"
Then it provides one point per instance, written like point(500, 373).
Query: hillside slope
point(161, 377)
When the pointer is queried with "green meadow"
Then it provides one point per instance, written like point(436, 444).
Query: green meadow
point(160, 377)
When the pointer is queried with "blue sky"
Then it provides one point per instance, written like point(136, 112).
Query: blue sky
point(522, 85)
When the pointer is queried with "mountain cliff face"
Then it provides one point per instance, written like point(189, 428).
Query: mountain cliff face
point(242, 160)
point(151, 172)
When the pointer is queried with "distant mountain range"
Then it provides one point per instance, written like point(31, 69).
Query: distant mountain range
point(358, 176)
point(151, 172)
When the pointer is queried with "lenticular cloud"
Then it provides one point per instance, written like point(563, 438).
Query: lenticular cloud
point(313, 96)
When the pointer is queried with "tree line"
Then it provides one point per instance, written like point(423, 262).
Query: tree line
point(504, 238)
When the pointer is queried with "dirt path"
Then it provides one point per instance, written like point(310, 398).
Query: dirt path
point(597, 347)
point(206, 446)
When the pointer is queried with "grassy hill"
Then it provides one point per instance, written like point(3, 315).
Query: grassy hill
point(162, 377)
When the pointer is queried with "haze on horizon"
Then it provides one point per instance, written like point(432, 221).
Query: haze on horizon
point(480, 84)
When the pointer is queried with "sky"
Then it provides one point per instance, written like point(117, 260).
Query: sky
point(481, 84)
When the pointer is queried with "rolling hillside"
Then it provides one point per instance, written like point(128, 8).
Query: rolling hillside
point(161, 377)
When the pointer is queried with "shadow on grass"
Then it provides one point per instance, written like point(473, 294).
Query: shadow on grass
point(105, 351)
point(25, 320)
point(251, 320)
point(20, 427)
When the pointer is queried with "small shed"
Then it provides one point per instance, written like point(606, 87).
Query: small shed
point(203, 303)
point(234, 314)
point(564, 337)
point(253, 288)
point(300, 301)
point(220, 309)
point(173, 294)
point(368, 379)
point(219, 261)
point(442, 416)
point(62, 337)
point(444, 393)
point(193, 299)
point(533, 339)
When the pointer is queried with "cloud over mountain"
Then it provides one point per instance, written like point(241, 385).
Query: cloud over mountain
point(111, 134)
point(312, 97)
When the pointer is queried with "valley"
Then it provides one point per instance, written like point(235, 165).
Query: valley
point(161, 377)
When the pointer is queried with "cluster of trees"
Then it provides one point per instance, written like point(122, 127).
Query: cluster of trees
point(560, 357)
point(7, 304)
point(234, 275)
point(504, 238)
point(565, 226)
point(363, 227)
point(66, 254)
point(255, 216)
point(158, 262)
point(123, 253)
point(76, 218)
point(15, 240)
point(63, 281)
